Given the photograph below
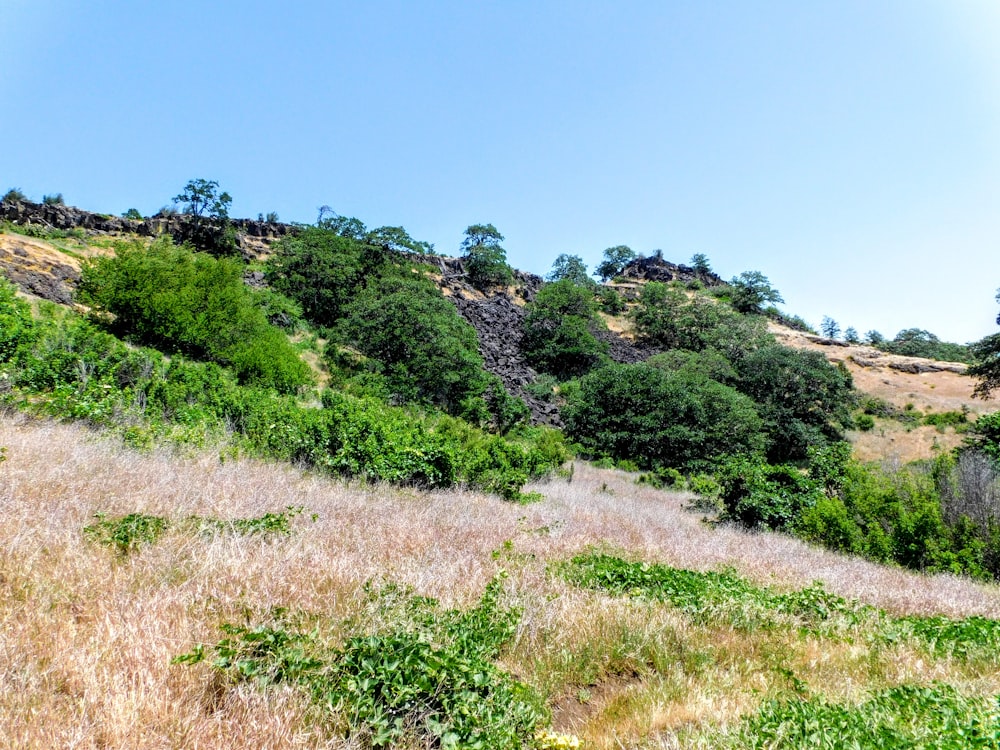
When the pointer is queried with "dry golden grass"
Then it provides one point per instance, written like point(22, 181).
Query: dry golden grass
point(86, 639)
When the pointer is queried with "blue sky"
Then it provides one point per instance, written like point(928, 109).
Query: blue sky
point(849, 150)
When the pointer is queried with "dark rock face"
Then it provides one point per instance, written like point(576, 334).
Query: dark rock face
point(249, 232)
point(655, 268)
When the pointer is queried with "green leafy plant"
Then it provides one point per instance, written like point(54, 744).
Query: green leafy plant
point(268, 524)
point(126, 534)
point(434, 679)
point(915, 717)
point(559, 332)
point(193, 304)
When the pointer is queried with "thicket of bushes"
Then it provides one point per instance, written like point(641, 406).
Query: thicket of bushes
point(64, 365)
point(722, 388)
point(937, 516)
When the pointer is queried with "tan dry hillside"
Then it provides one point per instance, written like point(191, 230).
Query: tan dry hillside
point(926, 385)
point(86, 638)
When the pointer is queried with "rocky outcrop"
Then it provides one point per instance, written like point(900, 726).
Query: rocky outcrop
point(655, 268)
point(253, 237)
point(39, 269)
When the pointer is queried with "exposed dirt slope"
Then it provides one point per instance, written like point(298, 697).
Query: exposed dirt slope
point(924, 385)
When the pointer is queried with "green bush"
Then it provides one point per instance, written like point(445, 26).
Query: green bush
point(915, 717)
point(803, 399)
point(193, 304)
point(559, 332)
point(323, 271)
point(865, 422)
point(125, 534)
point(658, 418)
point(485, 259)
point(17, 327)
point(427, 352)
point(758, 494)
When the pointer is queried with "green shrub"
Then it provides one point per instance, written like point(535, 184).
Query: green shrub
point(125, 534)
point(323, 271)
point(17, 328)
point(658, 418)
point(758, 494)
point(485, 259)
point(932, 717)
point(864, 422)
point(803, 399)
point(14, 195)
point(191, 304)
point(426, 351)
point(558, 336)
point(610, 300)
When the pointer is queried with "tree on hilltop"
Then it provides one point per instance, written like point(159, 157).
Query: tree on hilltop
point(615, 260)
point(202, 198)
point(485, 258)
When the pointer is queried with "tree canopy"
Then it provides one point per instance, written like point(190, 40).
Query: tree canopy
point(570, 268)
point(485, 258)
point(202, 198)
point(751, 290)
point(615, 260)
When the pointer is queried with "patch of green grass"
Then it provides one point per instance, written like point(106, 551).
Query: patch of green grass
point(126, 534)
point(726, 598)
point(278, 524)
point(708, 596)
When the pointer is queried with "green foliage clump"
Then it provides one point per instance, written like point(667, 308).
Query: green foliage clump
point(916, 342)
point(708, 596)
point(914, 717)
point(192, 304)
point(126, 534)
point(268, 524)
point(431, 680)
point(323, 270)
point(202, 198)
point(570, 268)
point(17, 327)
point(559, 332)
point(671, 318)
point(751, 291)
point(615, 260)
point(424, 349)
point(984, 436)
point(485, 258)
point(802, 398)
point(758, 494)
point(610, 301)
point(658, 418)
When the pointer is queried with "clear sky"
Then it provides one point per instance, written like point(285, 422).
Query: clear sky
point(847, 149)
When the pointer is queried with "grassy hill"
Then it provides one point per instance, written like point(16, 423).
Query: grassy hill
point(303, 487)
point(90, 633)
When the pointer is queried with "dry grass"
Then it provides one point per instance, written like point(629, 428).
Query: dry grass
point(86, 639)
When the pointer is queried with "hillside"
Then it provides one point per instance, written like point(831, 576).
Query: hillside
point(313, 486)
point(89, 636)
point(49, 269)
